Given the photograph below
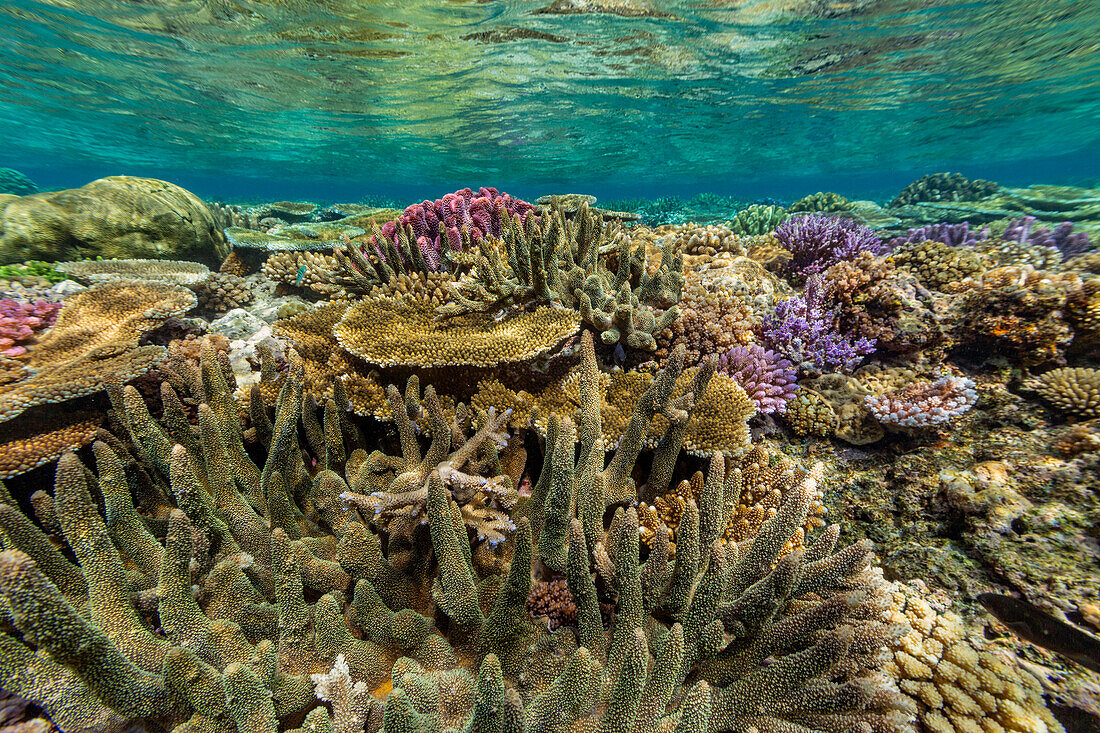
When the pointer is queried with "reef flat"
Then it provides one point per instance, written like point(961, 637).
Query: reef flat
point(484, 464)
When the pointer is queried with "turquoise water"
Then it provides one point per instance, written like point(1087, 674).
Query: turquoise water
point(339, 98)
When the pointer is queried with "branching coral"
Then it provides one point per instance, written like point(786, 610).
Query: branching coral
point(1061, 238)
point(767, 378)
point(824, 202)
point(757, 219)
point(924, 404)
point(803, 329)
point(937, 264)
point(723, 638)
point(221, 292)
point(1072, 390)
point(435, 227)
point(953, 235)
point(817, 242)
point(712, 318)
point(21, 321)
point(557, 262)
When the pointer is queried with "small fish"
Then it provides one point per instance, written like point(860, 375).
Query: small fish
point(1040, 628)
point(300, 276)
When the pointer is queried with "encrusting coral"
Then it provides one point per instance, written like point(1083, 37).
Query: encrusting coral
point(268, 593)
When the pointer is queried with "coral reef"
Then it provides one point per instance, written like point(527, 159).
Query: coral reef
point(118, 216)
point(1071, 390)
point(945, 187)
point(1061, 238)
point(954, 235)
point(170, 271)
point(222, 291)
point(936, 263)
point(817, 242)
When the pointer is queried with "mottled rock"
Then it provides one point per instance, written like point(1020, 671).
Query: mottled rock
point(118, 216)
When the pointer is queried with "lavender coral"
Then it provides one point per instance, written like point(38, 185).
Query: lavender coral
point(435, 225)
point(816, 242)
point(767, 378)
point(954, 235)
point(923, 404)
point(1062, 237)
point(20, 321)
point(803, 330)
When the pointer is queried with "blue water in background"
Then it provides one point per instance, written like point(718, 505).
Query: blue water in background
point(334, 100)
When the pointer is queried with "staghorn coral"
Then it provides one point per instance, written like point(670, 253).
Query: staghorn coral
point(804, 330)
point(1062, 238)
point(96, 335)
point(21, 321)
point(937, 264)
point(958, 682)
point(557, 262)
point(924, 404)
point(823, 202)
point(411, 636)
point(404, 331)
point(1072, 390)
point(767, 378)
point(944, 187)
point(757, 485)
point(757, 219)
point(817, 242)
point(169, 271)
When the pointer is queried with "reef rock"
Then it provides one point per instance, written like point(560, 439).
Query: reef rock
point(118, 216)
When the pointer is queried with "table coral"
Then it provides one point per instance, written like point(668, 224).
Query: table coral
point(96, 334)
point(34, 439)
point(21, 321)
point(170, 271)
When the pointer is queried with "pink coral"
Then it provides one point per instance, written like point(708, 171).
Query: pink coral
point(923, 404)
point(482, 214)
point(19, 322)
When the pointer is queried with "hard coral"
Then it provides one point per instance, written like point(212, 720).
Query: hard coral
point(767, 378)
point(924, 404)
point(21, 321)
point(1072, 390)
point(268, 594)
point(936, 264)
point(954, 235)
point(1061, 238)
point(803, 329)
point(944, 187)
point(817, 242)
point(437, 226)
point(96, 334)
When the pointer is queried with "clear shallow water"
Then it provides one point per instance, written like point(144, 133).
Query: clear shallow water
point(778, 97)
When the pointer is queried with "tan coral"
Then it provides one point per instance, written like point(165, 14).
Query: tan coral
point(170, 271)
point(808, 413)
point(32, 440)
point(713, 319)
point(405, 331)
point(96, 335)
point(1073, 390)
point(936, 264)
point(959, 683)
point(222, 292)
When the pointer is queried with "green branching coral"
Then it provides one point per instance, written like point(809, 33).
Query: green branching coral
point(826, 202)
point(757, 219)
point(241, 595)
point(566, 262)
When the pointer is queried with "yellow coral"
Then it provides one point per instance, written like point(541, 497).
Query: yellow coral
point(32, 440)
point(808, 413)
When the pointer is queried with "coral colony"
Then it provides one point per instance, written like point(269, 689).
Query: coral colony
point(482, 464)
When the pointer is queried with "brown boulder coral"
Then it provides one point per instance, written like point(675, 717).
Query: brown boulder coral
point(117, 216)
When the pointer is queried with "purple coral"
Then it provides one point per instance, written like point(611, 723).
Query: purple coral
point(955, 235)
point(1062, 237)
point(804, 331)
point(924, 403)
point(817, 242)
point(482, 214)
point(767, 378)
point(20, 321)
